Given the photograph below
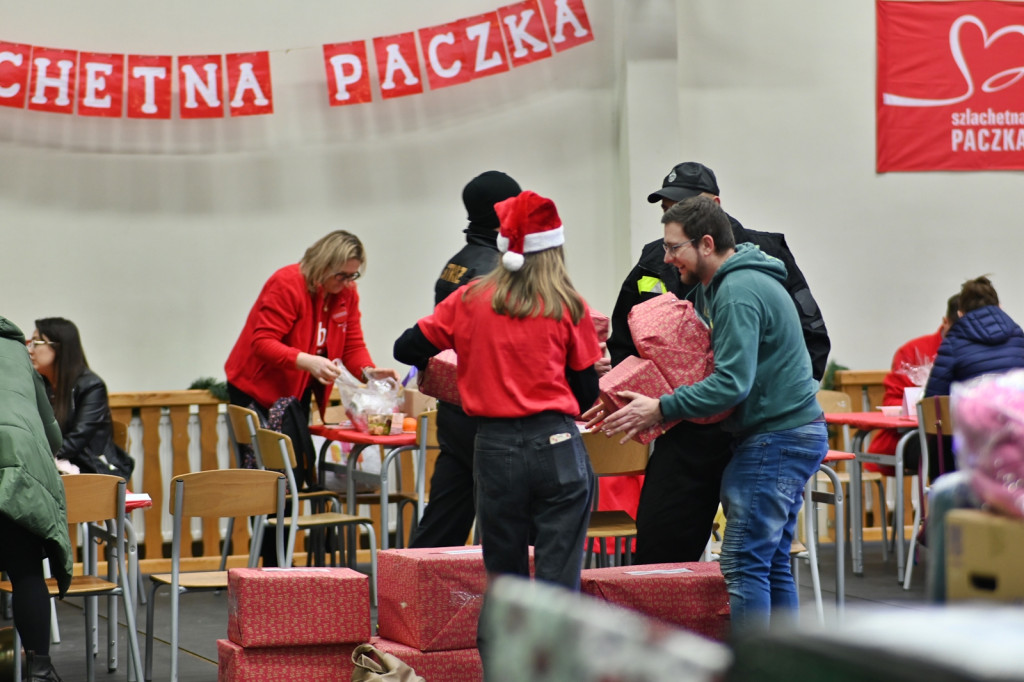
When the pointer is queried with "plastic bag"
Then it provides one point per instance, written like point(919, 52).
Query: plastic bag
point(378, 396)
point(988, 437)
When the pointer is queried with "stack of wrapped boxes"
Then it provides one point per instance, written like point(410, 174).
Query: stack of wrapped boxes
point(293, 624)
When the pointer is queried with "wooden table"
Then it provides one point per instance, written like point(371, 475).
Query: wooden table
point(865, 423)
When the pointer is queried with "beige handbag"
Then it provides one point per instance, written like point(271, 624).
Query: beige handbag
point(374, 665)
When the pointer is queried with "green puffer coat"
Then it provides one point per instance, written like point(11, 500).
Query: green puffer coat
point(31, 493)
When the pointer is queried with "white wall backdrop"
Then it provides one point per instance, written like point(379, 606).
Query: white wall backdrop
point(155, 236)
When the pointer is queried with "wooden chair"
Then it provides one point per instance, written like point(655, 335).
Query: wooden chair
point(933, 419)
point(608, 458)
point(97, 502)
point(837, 401)
point(214, 494)
point(120, 435)
point(278, 454)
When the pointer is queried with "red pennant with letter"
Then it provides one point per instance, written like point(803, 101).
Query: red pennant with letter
point(398, 65)
point(348, 78)
point(51, 85)
point(14, 63)
point(950, 94)
point(445, 55)
point(525, 37)
point(149, 86)
point(201, 86)
point(567, 22)
point(485, 46)
point(100, 84)
point(249, 91)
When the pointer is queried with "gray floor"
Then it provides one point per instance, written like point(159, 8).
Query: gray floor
point(204, 618)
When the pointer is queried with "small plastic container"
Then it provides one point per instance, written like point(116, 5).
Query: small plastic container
point(378, 424)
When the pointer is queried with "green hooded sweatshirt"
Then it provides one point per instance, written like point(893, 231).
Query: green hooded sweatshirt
point(31, 493)
point(761, 363)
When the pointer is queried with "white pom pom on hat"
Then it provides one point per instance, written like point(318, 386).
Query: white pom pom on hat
point(529, 223)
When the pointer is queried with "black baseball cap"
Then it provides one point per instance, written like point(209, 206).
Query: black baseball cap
point(685, 180)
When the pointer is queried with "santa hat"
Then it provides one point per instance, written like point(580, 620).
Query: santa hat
point(529, 223)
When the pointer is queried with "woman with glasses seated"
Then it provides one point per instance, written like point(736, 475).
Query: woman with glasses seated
point(79, 399)
point(306, 317)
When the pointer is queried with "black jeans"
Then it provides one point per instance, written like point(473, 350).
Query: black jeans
point(681, 493)
point(21, 555)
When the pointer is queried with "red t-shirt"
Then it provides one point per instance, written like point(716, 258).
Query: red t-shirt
point(511, 367)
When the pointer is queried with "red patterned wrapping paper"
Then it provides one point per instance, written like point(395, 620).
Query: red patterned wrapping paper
point(641, 376)
point(459, 665)
point(690, 595)
point(602, 324)
point(430, 598)
point(668, 331)
point(440, 378)
point(328, 663)
point(297, 606)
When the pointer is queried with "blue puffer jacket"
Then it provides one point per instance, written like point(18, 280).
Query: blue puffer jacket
point(983, 341)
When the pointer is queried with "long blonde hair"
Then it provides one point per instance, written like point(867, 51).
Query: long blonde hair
point(330, 252)
point(541, 287)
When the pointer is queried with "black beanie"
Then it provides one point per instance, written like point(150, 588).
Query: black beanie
point(482, 193)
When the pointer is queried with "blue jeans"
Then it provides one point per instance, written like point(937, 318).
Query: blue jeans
point(762, 491)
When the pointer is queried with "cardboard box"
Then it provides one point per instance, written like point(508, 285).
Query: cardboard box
point(984, 555)
point(690, 595)
point(462, 665)
point(274, 607)
point(416, 403)
point(328, 663)
point(440, 378)
point(641, 376)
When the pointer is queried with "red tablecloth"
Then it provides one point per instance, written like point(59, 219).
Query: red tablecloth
point(868, 421)
point(354, 436)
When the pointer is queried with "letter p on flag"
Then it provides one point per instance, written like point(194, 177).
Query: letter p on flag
point(348, 79)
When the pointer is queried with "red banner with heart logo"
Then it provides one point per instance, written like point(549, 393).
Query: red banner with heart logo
point(950, 89)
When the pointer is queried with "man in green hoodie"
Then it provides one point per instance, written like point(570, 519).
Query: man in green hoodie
point(763, 370)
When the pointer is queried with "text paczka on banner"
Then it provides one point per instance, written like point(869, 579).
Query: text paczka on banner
point(950, 92)
point(456, 52)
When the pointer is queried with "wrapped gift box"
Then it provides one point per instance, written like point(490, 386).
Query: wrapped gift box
point(690, 595)
point(460, 665)
point(440, 378)
point(328, 663)
point(668, 332)
point(297, 606)
point(602, 325)
point(430, 599)
point(641, 376)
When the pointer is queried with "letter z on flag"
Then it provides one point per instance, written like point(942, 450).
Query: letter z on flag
point(950, 90)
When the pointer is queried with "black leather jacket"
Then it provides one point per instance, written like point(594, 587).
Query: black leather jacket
point(89, 431)
point(652, 276)
point(477, 258)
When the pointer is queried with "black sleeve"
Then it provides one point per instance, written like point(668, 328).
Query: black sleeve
point(92, 416)
point(584, 386)
point(412, 348)
point(815, 334)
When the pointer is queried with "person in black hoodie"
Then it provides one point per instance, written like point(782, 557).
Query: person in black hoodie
point(449, 516)
point(79, 399)
point(680, 494)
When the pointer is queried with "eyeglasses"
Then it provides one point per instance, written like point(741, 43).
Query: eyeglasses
point(347, 276)
point(671, 249)
point(34, 343)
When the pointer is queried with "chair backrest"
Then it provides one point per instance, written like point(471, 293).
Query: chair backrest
point(93, 497)
point(242, 425)
point(120, 434)
point(608, 458)
point(933, 417)
point(222, 493)
point(834, 401)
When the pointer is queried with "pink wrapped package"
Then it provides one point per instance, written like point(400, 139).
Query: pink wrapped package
point(440, 378)
point(641, 376)
point(668, 332)
point(988, 438)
